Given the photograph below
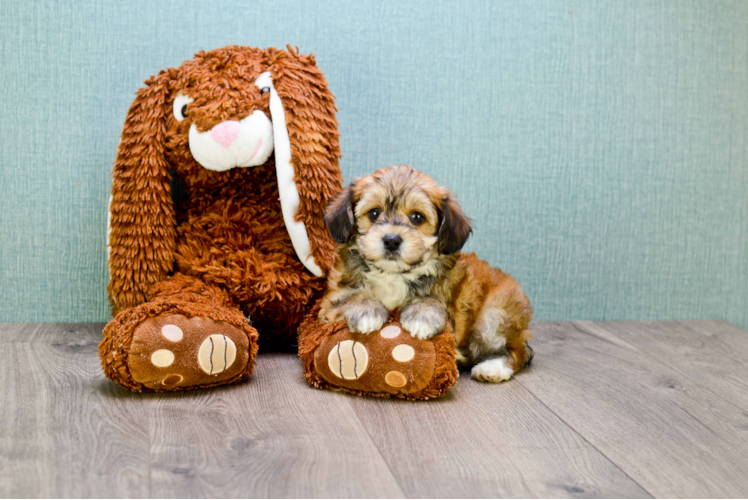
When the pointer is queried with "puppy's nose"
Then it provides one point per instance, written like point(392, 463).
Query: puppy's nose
point(392, 242)
point(225, 133)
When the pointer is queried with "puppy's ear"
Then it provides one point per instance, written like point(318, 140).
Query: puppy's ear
point(339, 216)
point(454, 229)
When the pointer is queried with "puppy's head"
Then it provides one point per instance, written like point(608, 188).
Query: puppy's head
point(398, 218)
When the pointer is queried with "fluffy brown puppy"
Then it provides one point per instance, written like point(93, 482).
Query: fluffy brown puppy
point(224, 169)
point(400, 236)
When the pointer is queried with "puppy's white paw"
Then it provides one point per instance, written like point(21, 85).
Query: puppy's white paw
point(367, 323)
point(493, 370)
point(424, 319)
point(420, 329)
point(366, 317)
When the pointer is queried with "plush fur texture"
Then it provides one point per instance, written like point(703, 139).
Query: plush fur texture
point(181, 295)
point(182, 234)
point(399, 236)
point(438, 367)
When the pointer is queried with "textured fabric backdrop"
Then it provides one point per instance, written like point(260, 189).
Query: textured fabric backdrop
point(600, 147)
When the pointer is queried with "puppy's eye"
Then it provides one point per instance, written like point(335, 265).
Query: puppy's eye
point(180, 107)
point(417, 218)
point(374, 214)
point(264, 90)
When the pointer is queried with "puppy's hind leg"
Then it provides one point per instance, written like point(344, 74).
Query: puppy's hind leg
point(501, 368)
point(499, 340)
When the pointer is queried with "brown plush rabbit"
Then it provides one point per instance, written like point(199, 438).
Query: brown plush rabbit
point(225, 167)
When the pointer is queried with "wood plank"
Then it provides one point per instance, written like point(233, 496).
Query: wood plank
point(35, 332)
point(734, 338)
point(272, 437)
point(664, 403)
point(484, 440)
point(668, 433)
point(710, 353)
point(64, 430)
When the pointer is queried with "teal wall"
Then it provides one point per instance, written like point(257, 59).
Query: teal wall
point(600, 147)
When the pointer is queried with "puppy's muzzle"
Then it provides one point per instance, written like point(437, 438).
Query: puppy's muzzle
point(391, 242)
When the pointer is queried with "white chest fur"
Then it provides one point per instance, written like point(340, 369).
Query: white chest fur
point(389, 289)
point(394, 289)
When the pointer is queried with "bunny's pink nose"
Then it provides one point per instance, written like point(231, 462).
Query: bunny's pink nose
point(225, 133)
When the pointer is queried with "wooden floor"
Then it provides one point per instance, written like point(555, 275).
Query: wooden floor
point(623, 409)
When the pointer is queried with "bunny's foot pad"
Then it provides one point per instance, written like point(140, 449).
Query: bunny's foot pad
point(385, 363)
point(173, 351)
point(169, 352)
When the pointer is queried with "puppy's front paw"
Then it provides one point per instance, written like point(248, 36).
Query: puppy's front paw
point(368, 323)
point(366, 317)
point(424, 319)
point(420, 329)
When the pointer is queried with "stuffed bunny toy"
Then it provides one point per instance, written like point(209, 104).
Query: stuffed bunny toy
point(216, 234)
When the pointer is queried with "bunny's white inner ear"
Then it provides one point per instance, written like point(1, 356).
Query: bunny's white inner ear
point(289, 193)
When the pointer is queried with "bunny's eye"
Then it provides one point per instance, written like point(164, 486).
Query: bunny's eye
point(264, 90)
point(180, 107)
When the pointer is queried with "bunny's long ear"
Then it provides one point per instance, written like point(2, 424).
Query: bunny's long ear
point(142, 230)
point(306, 153)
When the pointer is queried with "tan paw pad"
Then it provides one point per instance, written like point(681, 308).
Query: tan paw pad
point(390, 332)
point(162, 358)
point(403, 353)
point(172, 379)
point(172, 332)
point(216, 355)
point(348, 360)
point(395, 379)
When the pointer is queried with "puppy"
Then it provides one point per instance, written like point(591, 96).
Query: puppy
point(399, 237)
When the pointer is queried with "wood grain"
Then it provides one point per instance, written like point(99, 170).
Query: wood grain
point(272, 437)
point(669, 434)
point(64, 430)
point(625, 409)
point(732, 339)
point(486, 440)
point(713, 357)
